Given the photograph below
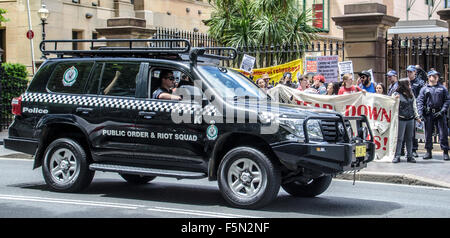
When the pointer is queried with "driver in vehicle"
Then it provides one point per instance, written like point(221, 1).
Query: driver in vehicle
point(165, 89)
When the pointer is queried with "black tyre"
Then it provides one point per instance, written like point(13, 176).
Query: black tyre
point(65, 166)
point(247, 178)
point(137, 179)
point(311, 189)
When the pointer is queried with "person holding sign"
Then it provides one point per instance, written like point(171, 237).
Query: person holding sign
point(347, 85)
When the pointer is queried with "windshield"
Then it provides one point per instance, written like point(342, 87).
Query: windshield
point(230, 83)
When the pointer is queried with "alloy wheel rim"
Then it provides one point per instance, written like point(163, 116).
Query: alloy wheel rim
point(64, 167)
point(245, 178)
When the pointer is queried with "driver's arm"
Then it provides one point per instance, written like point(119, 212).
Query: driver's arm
point(169, 96)
point(112, 84)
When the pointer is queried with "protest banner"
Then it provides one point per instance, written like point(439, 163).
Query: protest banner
point(276, 72)
point(247, 63)
point(328, 67)
point(381, 111)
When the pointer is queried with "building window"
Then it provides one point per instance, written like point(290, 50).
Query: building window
point(447, 3)
point(76, 35)
point(76, 1)
point(320, 13)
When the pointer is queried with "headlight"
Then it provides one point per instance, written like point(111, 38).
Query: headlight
point(295, 127)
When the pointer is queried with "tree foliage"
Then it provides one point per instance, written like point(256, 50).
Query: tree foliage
point(2, 18)
point(250, 23)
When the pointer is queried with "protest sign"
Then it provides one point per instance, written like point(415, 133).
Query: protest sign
point(311, 62)
point(381, 111)
point(328, 67)
point(345, 67)
point(276, 72)
point(247, 63)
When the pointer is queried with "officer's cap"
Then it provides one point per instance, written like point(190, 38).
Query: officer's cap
point(392, 73)
point(411, 68)
point(432, 73)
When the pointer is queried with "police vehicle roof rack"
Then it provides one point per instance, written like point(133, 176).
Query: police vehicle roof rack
point(218, 53)
point(154, 47)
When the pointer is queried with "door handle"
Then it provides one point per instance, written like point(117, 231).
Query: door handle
point(147, 115)
point(84, 110)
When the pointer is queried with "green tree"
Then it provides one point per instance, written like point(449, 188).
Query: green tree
point(2, 18)
point(247, 23)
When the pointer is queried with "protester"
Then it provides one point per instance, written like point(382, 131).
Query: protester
point(416, 85)
point(319, 80)
point(380, 89)
point(266, 79)
point(287, 80)
point(347, 85)
point(407, 113)
point(303, 82)
point(261, 83)
point(393, 80)
point(432, 104)
point(366, 82)
point(421, 74)
point(333, 88)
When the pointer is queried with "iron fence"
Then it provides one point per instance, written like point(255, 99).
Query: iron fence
point(266, 56)
point(428, 52)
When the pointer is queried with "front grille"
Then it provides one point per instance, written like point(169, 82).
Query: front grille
point(330, 131)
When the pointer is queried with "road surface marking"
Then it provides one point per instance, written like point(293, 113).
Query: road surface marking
point(69, 201)
point(197, 213)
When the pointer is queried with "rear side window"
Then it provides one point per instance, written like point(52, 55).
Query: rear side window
point(70, 77)
point(119, 79)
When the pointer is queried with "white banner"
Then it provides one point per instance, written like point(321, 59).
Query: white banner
point(381, 111)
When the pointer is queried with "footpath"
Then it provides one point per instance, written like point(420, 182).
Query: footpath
point(434, 172)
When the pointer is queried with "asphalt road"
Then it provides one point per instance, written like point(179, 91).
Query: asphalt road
point(24, 194)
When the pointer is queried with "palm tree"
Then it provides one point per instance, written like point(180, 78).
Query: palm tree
point(246, 23)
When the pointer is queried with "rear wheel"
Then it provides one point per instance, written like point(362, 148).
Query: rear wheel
point(137, 179)
point(65, 166)
point(248, 178)
point(313, 188)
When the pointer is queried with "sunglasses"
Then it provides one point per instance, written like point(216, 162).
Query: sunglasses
point(171, 78)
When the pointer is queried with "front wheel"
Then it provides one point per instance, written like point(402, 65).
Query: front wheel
point(65, 166)
point(248, 178)
point(313, 188)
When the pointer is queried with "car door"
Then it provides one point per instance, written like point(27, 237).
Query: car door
point(115, 88)
point(171, 141)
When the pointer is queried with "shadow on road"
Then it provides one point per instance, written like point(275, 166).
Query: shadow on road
point(202, 195)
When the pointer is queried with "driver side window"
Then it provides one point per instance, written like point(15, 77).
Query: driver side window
point(172, 86)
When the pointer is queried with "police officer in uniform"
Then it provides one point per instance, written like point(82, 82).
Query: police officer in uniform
point(432, 105)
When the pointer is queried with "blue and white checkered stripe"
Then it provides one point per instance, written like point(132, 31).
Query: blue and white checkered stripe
point(119, 103)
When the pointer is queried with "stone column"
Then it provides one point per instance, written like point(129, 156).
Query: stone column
point(365, 26)
point(126, 28)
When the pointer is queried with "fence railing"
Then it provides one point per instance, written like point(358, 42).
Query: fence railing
point(428, 52)
point(266, 56)
point(10, 87)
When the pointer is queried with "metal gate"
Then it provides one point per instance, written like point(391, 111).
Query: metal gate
point(428, 52)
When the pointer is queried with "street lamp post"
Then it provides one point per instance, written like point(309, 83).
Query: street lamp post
point(43, 15)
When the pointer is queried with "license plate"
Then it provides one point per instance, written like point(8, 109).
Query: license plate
point(360, 151)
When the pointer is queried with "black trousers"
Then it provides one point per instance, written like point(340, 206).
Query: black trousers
point(415, 141)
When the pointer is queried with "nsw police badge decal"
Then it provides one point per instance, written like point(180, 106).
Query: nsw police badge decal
point(70, 76)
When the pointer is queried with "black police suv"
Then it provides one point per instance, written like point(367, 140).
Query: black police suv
point(96, 110)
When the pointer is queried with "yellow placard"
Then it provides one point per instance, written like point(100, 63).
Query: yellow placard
point(276, 72)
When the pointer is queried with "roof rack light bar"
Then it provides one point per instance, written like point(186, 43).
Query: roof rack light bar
point(153, 46)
